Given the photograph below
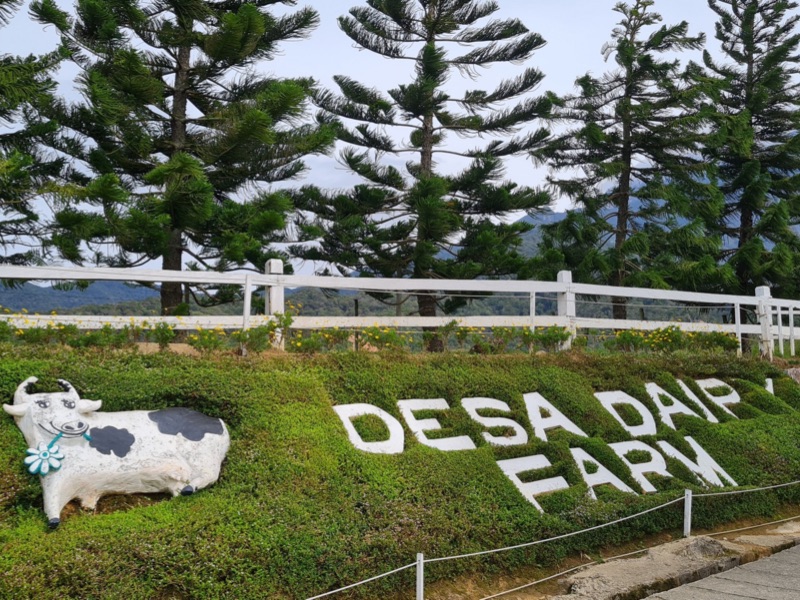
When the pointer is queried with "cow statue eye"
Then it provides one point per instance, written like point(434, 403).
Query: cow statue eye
point(69, 403)
point(43, 403)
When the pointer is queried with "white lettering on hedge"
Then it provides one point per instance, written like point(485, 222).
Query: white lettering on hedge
point(544, 416)
point(693, 397)
point(536, 406)
point(514, 466)
point(656, 464)
point(419, 426)
point(721, 401)
point(394, 445)
point(473, 405)
point(770, 386)
point(610, 401)
point(666, 411)
point(600, 476)
point(705, 467)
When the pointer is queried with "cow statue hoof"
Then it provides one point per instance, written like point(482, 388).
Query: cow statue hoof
point(81, 453)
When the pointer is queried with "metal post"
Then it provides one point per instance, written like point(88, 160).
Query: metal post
point(687, 513)
point(420, 576)
point(737, 311)
point(566, 306)
point(765, 319)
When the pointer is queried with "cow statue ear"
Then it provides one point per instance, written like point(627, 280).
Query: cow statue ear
point(87, 406)
point(15, 410)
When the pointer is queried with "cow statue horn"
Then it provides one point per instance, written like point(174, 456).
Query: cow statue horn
point(19, 408)
point(67, 387)
point(23, 390)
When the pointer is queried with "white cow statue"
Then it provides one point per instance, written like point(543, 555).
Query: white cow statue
point(81, 453)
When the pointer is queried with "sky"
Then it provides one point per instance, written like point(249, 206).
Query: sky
point(575, 31)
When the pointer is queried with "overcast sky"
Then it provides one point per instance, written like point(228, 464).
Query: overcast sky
point(575, 31)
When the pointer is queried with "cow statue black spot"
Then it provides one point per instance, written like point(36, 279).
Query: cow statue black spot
point(81, 453)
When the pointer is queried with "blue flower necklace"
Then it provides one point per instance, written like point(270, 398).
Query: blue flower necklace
point(46, 458)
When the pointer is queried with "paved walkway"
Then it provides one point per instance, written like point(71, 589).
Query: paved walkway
point(773, 578)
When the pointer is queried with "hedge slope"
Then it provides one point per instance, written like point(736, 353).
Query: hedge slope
point(298, 510)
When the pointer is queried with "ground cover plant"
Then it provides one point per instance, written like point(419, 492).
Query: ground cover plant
point(298, 510)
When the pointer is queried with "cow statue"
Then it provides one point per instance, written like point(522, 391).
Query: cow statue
point(81, 453)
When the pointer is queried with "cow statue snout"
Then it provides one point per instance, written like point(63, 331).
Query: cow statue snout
point(80, 452)
point(73, 428)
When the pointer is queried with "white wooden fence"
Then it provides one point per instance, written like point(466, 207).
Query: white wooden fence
point(773, 323)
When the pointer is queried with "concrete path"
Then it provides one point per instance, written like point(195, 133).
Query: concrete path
point(773, 578)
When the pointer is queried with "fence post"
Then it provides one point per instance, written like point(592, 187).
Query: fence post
point(687, 513)
point(248, 291)
point(566, 305)
point(765, 319)
point(737, 316)
point(420, 576)
point(274, 302)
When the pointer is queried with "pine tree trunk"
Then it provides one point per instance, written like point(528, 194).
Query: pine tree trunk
point(427, 302)
point(427, 308)
point(619, 304)
point(743, 275)
point(171, 291)
point(172, 260)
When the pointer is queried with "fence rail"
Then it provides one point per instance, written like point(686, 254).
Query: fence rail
point(774, 322)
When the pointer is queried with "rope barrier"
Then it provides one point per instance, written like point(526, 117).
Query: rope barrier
point(567, 572)
point(732, 492)
point(753, 526)
point(558, 537)
point(352, 585)
point(572, 534)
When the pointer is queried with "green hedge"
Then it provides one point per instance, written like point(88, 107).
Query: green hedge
point(298, 510)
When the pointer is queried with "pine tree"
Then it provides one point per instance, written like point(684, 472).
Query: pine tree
point(23, 83)
point(181, 134)
point(759, 159)
point(419, 221)
point(643, 201)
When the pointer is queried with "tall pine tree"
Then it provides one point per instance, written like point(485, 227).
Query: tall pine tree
point(24, 82)
point(180, 136)
point(643, 201)
point(759, 159)
point(419, 221)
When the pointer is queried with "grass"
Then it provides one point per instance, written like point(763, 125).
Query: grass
point(299, 511)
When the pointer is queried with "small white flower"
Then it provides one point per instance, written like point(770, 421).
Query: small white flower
point(42, 459)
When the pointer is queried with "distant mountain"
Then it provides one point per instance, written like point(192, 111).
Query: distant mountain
point(532, 239)
point(37, 299)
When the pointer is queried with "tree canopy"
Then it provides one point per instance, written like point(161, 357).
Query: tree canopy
point(629, 160)
point(415, 219)
point(24, 82)
point(181, 136)
point(759, 158)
